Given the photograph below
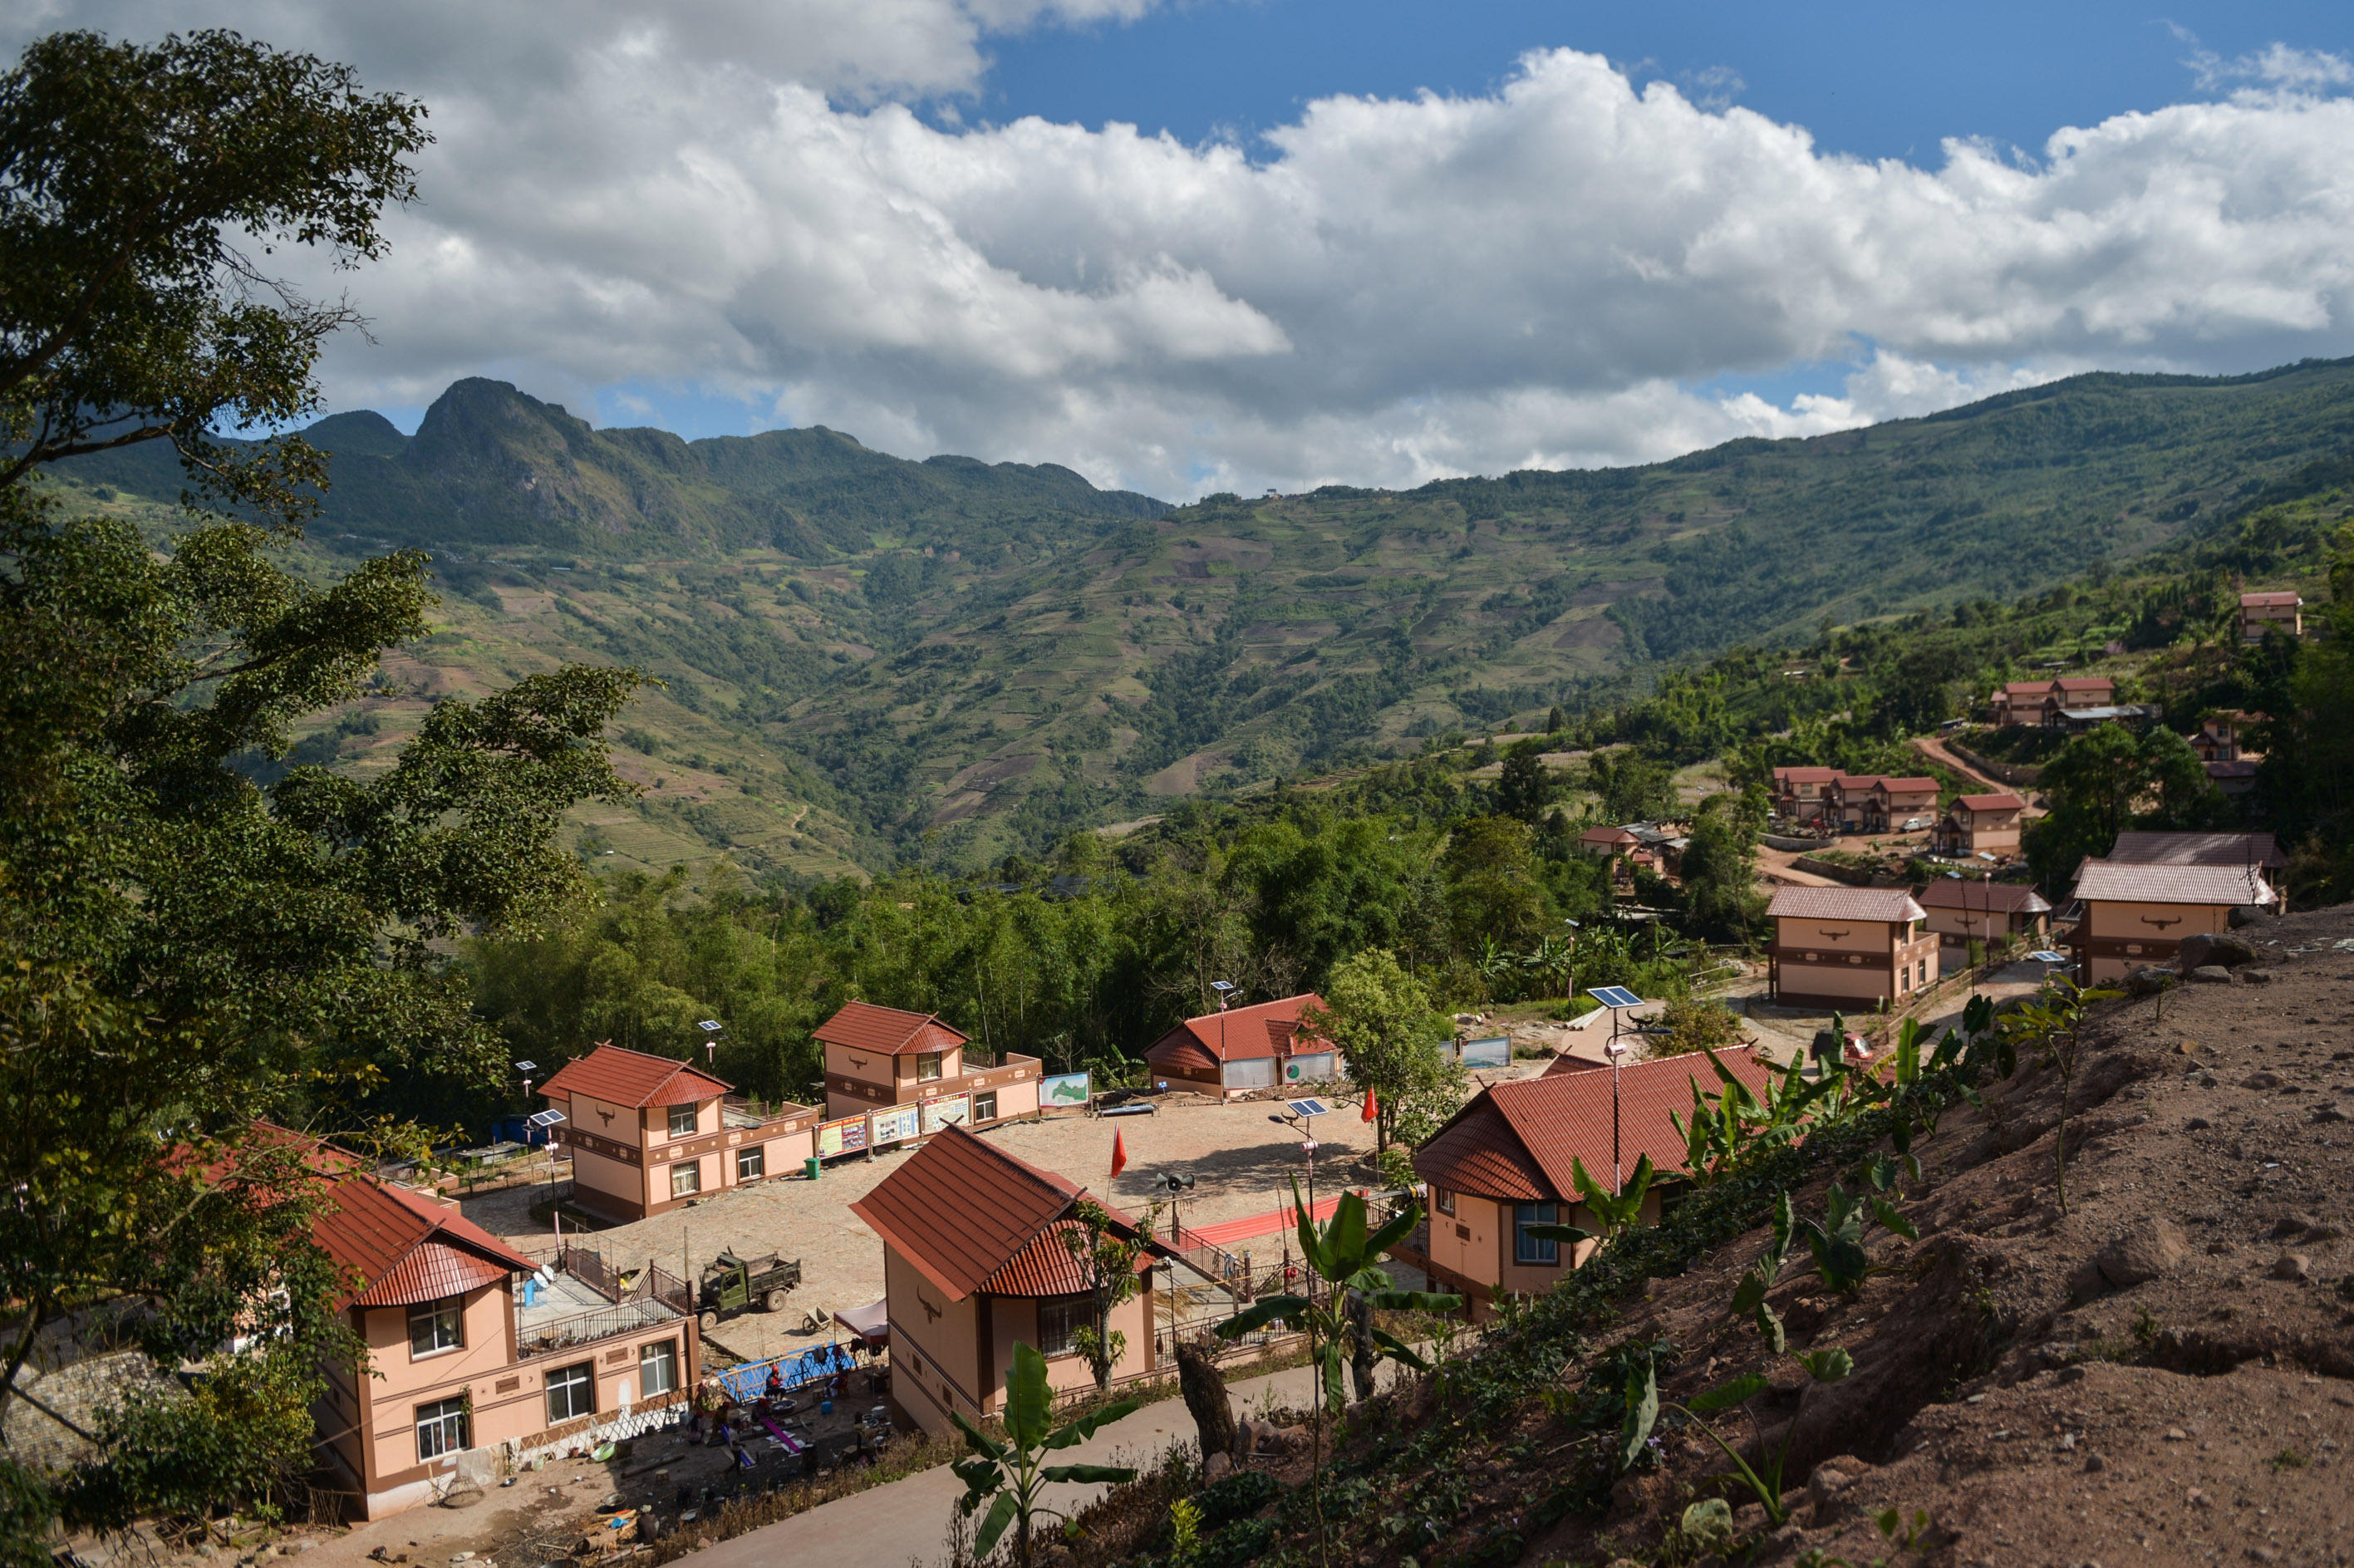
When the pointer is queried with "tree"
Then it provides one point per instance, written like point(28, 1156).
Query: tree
point(2108, 779)
point(1386, 1030)
point(1010, 1475)
point(1107, 1252)
point(1719, 867)
point(1525, 788)
point(1630, 786)
point(193, 952)
point(1491, 890)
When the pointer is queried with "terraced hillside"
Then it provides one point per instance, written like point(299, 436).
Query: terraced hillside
point(868, 657)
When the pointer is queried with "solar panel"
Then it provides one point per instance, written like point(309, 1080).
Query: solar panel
point(1614, 996)
point(1310, 1107)
point(2049, 958)
point(547, 1118)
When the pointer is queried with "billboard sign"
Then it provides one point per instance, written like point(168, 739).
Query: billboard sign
point(896, 1125)
point(1493, 1052)
point(847, 1136)
point(1063, 1089)
point(948, 1108)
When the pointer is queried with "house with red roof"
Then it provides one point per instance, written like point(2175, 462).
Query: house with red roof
point(2261, 612)
point(1799, 792)
point(909, 1071)
point(1238, 1049)
point(647, 1133)
point(1505, 1161)
point(477, 1358)
point(2043, 702)
point(1980, 824)
point(1848, 948)
point(976, 1259)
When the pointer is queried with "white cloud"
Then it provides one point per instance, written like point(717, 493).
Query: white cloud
point(736, 195)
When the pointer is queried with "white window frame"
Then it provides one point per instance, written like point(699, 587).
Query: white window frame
point(447, 1315)
point(658, 1368)
point(1444, 1197)
point(442, 1429)
point(929, 1065)
point(752, 1163)
point(567, 1382)
point(986, 1099)
point(689, 1113)
point(686, 1178)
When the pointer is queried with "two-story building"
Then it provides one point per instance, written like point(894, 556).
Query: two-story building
point(2043, 702)
point(1980, 824)
point(1505, 1163)
point(647, 1133)
point(2262, 612)
point(910, 1076)
point(1962, 910)
point(2223, 737)
point(1849, 948)
point(2139, 914)
point(1896, 805)
point(474, 1349)
point(977, 1257)
point(1847, 801)
point(1238, 1049)
point(1799, 792)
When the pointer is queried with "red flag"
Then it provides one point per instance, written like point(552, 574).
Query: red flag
point(1119, 1153)
point(1373, 1106)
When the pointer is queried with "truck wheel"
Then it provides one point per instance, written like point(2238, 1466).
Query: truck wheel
point(710, 1321)
point(774, 1301)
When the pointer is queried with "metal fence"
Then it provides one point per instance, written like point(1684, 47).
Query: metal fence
point(660, 1284)
point(563, 1333)
point(590, 1270)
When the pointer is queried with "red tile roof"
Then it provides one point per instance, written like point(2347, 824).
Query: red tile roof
point(960, 1208)
point(1973, 895)
point(1606, 835)
point(2112, 882)
point(1909, 786)
point(2002, 803)
point(2264, 600)
point(2086, 684)
point(1805, 775)
point(1858, 780)
point(406, 1248)
point(1239, 1033)
point(1517, 1141)
point(888, 1031)
point(2147, 848)
point(624, 1078)
point(1046, 1266)
point(1891, 903)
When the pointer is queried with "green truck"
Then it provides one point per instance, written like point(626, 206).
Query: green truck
point(731, 1285)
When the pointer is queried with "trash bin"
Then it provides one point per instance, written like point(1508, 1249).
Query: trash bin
point(809, 1168)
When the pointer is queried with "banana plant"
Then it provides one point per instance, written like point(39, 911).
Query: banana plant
point(1010, 1475)
point(1836, 1241)
point(1762, 1480)
point(2052, 1026)
point(1613, 1212)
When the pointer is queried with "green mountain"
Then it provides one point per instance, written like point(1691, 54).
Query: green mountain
point(868, 657)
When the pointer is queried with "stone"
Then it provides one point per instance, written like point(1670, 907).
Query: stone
point(2293, 1266)
point(1824, 1487)
point(2262, 1554)
point(2147, 980)
point(2217, 947)
point(1217, 1467)
point(2197, 1124)
point(2295, 1222)
point(2261, 1080)
point(2248, 915)
point(2094, 1464)
point(2177, 1435)
point(2257, 977)
point(2071, 1374)
point(2211, 974)
point(2143, 1253)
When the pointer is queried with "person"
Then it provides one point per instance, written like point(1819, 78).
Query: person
point(776, 1388)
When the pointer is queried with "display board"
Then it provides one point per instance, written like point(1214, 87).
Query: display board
point(896, 1125)
point(847, 1136)
point(947, 1109)
point(1494, 1052)
point(1064, 1089)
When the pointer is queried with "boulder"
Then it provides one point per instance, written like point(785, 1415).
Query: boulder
point(2147, 980)
point(2211, 974)
point(2143, 1253)
point(2248, 915)
point(2203, 948)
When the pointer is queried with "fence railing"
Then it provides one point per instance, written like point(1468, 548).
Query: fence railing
point(562, 1333)
point(660, 1284)
point(590, 1270)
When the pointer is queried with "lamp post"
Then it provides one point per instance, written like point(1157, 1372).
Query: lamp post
point(710, 1027)
point(1614, 997)
point(1225, 989)
point(1306, 1122)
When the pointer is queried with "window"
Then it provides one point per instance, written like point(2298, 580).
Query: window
point(752, 1163)
point(440, 1429)
point(1444, 1199)
point(658, 1368)
point(685, 1178)
point(928, 1066)
point(571, 1392)
point(984, 1107)
point(436, 1326)
point(682, 1121)
point(1527, 1248)
point(1060, 1318)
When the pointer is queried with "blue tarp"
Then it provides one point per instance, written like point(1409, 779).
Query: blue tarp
point(750, 1380)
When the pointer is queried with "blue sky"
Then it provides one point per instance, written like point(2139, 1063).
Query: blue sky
point(722, 216)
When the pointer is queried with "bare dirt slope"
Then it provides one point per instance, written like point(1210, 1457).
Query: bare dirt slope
point(2160, 1374)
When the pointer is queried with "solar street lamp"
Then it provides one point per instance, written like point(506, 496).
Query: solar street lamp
point(710, 1027)
point(1614, 997)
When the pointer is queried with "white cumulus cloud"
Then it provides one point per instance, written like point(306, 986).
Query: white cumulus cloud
point(738, 196)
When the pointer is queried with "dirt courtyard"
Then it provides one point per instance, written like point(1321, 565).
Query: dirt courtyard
point(1240, 1162)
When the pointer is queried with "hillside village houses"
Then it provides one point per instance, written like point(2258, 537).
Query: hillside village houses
point(1853, 802)
point(2261, 612)
point(477, 1358)
point(1505, 1163)
point(1648, 845)
point(2137, 912)
point(974, 1261)
point(1979, 824)
point(2043, 702)
point(1966, 909)
point(908, 1074)
point(1237, 1050)
point(1800, 792)
point(1848, 947)
point(648, 1133)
